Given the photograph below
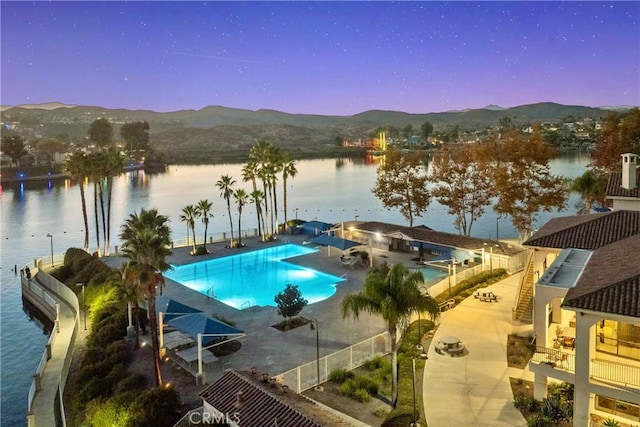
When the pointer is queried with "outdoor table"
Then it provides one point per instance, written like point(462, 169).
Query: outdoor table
point(449, 340)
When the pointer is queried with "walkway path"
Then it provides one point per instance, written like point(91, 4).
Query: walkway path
point(474, 389)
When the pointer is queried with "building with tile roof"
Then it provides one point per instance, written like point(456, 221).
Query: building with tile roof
point(253, 399)
point(623, 188)
point(586, 311)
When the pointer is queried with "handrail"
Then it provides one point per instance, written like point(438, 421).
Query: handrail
point(345, 277)
point(245, 304)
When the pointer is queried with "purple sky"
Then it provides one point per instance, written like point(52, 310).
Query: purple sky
point(320, 57)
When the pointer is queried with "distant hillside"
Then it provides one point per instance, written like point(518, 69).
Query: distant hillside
point(220, 130)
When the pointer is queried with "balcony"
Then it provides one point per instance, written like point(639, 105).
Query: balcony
point(563, 362)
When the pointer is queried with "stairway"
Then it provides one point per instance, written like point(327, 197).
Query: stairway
point(523, 310)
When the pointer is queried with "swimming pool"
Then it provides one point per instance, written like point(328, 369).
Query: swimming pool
point(254, 278)
point(432, 275)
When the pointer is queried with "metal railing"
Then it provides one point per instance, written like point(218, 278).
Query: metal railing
point(615, 372)
point(555, 358)
point(305, 376)
point(603, 370)
point(48, 284)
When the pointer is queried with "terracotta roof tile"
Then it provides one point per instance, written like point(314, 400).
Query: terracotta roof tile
point(258, 403)
point(610, 282)
point(614, 186)
point(587, 231)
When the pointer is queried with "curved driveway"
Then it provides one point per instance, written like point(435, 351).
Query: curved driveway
point(474, 389)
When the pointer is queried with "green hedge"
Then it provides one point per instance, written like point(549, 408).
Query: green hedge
point(465, 288)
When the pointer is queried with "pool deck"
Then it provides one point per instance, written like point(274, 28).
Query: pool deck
point(265, 347)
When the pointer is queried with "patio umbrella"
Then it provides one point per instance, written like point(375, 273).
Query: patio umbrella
point(171, 308)
point(336, 242)
point(200, 323)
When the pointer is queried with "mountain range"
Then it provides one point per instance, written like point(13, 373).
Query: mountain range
point(217, 130)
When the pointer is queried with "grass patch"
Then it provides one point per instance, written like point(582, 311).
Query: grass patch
point(519, 350)
point(467, 287)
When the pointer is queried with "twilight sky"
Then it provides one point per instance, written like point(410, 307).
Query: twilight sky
point(320, 57)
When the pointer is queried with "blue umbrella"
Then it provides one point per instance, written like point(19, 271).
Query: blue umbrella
point(200, 323)
point(171, 308)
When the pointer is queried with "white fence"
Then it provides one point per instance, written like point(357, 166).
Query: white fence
point(444, 284)
point(305, 376)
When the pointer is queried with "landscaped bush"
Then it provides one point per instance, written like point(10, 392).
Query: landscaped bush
point(368, 384)
point(156, 407)
point(537, 420)
point(361, 395)
point(465, 288)
point(376, 363)
point(340, 375)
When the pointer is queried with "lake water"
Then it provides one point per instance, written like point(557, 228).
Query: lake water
point(330, 190)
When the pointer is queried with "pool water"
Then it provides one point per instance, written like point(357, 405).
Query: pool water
point(432, 275)
point(255, 278)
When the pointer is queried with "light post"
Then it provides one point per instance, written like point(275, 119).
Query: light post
point(318, 387)
point(413, 383)
point(51, 238)
point(449, 263)
point(423, 292)
point(497, 232)
point(297, 213)
point(356, 218)
point(84, 305)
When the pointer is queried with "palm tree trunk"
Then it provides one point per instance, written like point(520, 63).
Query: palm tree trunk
point(107, 240)
point(394, 367)
point(155, 341)
point(85, 218)
point(239, 227)
point(230, 222)
point(95, 210)
point(102, 214)
point(284, 196)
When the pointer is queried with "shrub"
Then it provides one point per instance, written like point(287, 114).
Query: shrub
point(340, 375)
point(610, 423)
point(362, 382)
point(131, 382)
point(375, 363)
point(479, 280)
point(538, 420)
point(107, 414)
point(361, 395)
point(158, 406)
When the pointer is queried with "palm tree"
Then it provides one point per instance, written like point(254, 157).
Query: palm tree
point(203, 210)
point(250, 173)
point(113, 167)
point(188, 216)
point(77, 166)
point(242, 198)
point(132, 295)
point(590, 186)
point(392, 294)
point(93, 171)
point(257, 196)
point(146, 238)
point(225, 184)
point(288, 170)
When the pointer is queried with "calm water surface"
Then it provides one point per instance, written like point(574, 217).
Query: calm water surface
point(330, 190)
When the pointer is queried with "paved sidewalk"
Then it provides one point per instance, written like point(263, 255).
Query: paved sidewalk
point(474, 389)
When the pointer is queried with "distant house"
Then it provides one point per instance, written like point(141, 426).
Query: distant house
point(623, 188)
point(586, 311)
point(254, 399)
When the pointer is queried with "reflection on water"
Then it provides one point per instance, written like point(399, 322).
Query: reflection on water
point(327, 189)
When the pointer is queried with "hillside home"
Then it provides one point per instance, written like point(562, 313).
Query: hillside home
point(586, 312)
point(623, 188)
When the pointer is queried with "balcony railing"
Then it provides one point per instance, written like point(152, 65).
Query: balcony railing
point(626, 375)
point(555, 358)
point(602, 370)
